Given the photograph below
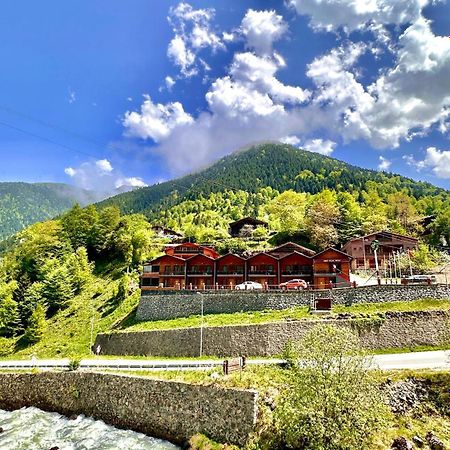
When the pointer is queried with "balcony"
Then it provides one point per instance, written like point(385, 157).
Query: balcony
point(267, 273)
point(172, 274)
point(199, 273)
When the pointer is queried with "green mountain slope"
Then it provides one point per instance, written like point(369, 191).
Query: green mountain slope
point(22, 204)
point(280, 166)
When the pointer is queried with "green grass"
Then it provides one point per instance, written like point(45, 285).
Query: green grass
point(68, 333)
point(257, 317)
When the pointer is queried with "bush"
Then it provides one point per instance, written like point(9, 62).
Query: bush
point(74, 364)
point(36, 325)
point(6, 346)
point(332, 401)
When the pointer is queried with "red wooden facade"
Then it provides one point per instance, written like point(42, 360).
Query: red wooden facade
point(194, 266)
point(230, 270)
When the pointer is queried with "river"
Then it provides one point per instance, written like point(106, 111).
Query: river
point(33, 429)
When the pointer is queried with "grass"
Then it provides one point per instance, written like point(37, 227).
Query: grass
point(257, 317)
point(68, 333)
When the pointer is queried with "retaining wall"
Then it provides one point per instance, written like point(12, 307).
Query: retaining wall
point(168, 410)
point(163, 305)
point(393, 330)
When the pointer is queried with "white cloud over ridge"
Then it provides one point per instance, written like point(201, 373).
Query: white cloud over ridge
point(100, 177)
point(384, 164)
point(438, 161)
point(322, 146)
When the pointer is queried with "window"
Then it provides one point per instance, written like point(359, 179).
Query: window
point(153, 282)
point(151, 269)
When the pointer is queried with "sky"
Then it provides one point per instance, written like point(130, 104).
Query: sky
point(108, 93)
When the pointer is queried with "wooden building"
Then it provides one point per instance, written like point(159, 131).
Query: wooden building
point(331, 266)
point(230, 270)
point(193, 266)
point(236, 228)
point(363, 256)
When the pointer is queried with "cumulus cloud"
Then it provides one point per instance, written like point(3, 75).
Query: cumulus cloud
point(155, 120)
point(261, 29)
point(193, 32)
point(291, 140)
point(324, 147)
point(384, 164)
point(101, 178)
point(170, 82)
point(356, 14)
point(438, 161)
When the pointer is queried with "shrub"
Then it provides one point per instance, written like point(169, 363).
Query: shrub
point(332, 401)
point(6, 346)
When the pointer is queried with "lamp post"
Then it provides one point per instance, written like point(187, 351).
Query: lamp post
point(201, 324)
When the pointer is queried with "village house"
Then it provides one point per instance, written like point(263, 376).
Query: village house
point(247, 224)
point(360, 249)
point(194, 266)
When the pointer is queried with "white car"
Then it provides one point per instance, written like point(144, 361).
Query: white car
point(249, 285)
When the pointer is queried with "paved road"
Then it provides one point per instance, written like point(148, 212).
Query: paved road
point(418, 360)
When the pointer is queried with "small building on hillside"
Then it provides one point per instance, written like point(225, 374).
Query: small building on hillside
point(189, 249)
point(167, 271)
point(247, 223)
point(164, 232)
point(296, 265)
point(389, 243)
point(331, 266)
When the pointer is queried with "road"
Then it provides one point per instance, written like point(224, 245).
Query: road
point(435, 360)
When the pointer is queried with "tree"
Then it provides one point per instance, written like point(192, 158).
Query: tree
point(37, 325)
point(287, 211)
point(323, 215)
point(9, 312)
point(332, 401)
point(80, 269)
point(79, 226)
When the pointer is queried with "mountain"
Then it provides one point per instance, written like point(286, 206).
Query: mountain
point(280, 166)
point(22, 204)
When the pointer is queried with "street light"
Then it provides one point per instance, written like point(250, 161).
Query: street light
point(201, 324)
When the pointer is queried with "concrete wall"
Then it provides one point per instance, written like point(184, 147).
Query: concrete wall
point(394, 330)
point(168, 410)
point(160, 305)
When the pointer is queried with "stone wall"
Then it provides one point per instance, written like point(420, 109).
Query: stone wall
point(163, 305)
point(168, 410)
point(394, 330)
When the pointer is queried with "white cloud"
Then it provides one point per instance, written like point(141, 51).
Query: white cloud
point(100, 177)
point(193, 32)
point(70, 171)
point(436, 160)
point(291, 140)
point(155, 120)
point(384, 164)
point(104, 165)
point(356, 14)
point(130, 182)
point(324, 147)
point(261, 29)
point(72, 96)
point(170, 82)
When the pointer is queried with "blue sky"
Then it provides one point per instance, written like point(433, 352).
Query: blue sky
point(109, 93)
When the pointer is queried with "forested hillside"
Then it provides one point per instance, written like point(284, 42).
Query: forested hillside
point(22, 204)
point(279, 166)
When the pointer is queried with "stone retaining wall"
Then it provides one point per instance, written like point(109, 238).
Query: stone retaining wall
point(160, 305)
point(394, 330)
point(168, 410)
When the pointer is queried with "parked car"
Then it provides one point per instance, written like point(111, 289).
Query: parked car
point(297, 284)
point(249, 286)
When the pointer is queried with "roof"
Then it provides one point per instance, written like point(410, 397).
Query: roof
point(165, 230)
point(262, 253)
point(164, 256)
point(231, 254)
point(295, 253)
point(251, 220)
point(388, 233)
point(334, 250)
point(198, 256)
point(298, 248)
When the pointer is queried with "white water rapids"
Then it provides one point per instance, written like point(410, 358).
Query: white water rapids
point(33, 429)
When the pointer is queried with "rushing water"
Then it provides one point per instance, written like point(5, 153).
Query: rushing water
point(33, 429)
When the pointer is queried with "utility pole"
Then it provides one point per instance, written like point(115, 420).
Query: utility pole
point(375, 246)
